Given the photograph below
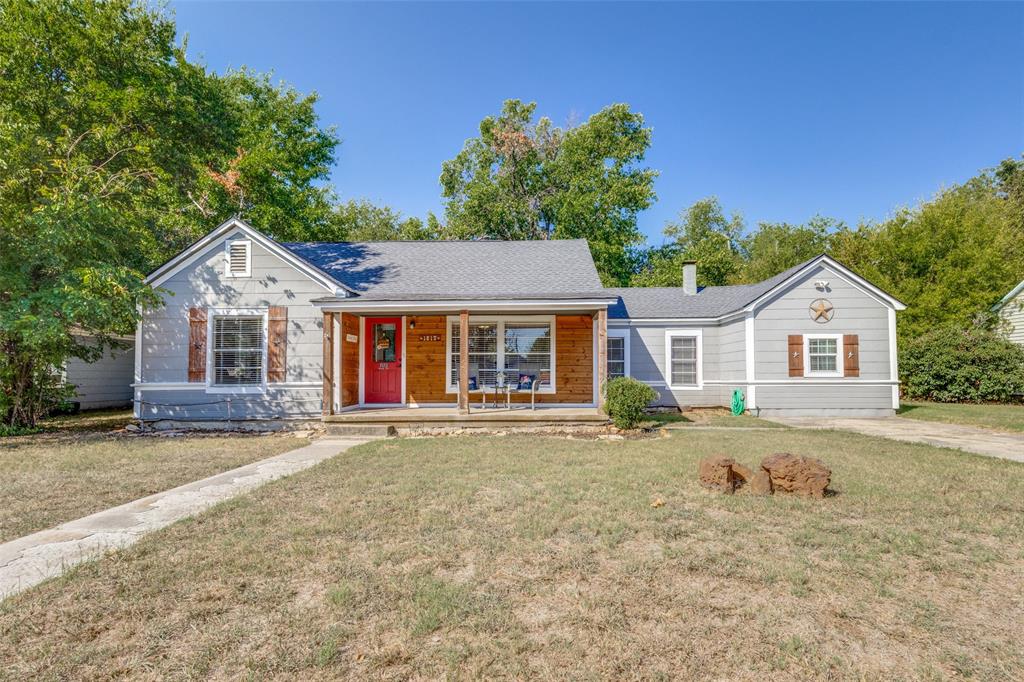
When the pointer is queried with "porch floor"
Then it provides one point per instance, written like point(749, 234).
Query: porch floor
point(450, 415)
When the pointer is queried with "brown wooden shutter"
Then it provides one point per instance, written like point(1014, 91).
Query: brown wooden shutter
point(851, 349)
point(196, 345)
point(277, 344)
point(796, 355)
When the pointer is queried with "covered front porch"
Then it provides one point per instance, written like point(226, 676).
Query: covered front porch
point(484, 361)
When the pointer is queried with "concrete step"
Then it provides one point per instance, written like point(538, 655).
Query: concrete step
point(376, 430)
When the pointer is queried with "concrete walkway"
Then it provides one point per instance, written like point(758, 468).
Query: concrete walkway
point(968, 438)
point(32, 559)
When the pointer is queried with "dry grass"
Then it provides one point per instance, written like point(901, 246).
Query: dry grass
point(79, 466)
point(998, 417)
point(527, 557)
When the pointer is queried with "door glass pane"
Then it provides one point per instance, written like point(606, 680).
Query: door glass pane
point(384, 342)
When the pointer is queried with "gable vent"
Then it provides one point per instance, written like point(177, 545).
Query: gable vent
point(239, 257)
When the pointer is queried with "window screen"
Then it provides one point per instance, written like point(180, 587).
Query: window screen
point(238, 350)
point(616, 357)
point(822, 355)
point(684, 361)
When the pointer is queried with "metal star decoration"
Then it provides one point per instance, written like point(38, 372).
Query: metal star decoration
point(821, 310)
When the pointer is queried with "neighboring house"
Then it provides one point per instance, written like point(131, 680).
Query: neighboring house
point(106, 382)
point(1011, 311)
point(256, 329)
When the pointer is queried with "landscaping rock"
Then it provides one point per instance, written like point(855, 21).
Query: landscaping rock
point(759, 482)
point(717, 473)
point(797, 474)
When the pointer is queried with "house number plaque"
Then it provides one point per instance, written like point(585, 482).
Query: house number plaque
point(430, 337)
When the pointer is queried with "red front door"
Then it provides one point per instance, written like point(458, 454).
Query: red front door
point(382, 378)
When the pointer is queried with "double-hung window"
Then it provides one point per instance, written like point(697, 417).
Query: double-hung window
point(512, 351)
point(238, 350)
point(824, 353)
point(617, 358)
point(683, 359)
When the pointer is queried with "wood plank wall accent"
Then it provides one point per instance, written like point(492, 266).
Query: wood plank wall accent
point(574, 361)
point(425, 381)
point(328, 391)
point(350, 359)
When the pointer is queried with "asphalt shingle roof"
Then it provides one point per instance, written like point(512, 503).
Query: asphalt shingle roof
point(445, 270)
point(672, 302)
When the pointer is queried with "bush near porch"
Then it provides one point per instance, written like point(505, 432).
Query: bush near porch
point(525, 557)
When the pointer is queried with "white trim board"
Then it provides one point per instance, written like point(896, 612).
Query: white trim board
point(697, 334)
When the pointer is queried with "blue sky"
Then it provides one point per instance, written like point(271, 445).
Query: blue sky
point(782, 110)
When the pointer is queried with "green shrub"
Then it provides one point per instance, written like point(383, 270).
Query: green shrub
point(953, 365)
point(7, 431)
point(626, 399)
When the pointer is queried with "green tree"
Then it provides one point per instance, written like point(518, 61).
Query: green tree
point(774, 247)
point(115, 152)
point(527, 179)
point(363, 221)
point(704, 234)
point(949, 259)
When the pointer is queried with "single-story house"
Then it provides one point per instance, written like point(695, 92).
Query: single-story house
point(1010, 310)
point(256, 329)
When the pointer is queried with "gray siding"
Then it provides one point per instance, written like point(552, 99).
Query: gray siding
point(647, 363)
point(273, 282)
point(104, 383)
point(197, 405)
point(856, 312)
point(732, 350)
point(724, 354)
point(1012, 315)
point(852, 400)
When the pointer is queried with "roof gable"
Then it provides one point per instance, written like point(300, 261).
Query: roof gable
point(228, 228)
point(717, 302)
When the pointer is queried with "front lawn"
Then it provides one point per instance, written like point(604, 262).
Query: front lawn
point(1000, 417)
point(78, 466)
point(525, 557)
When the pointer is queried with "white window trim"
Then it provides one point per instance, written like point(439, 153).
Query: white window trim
point(688, 333)
point(623, 334)
point(500, 322)
point(839, 355)
point(225, 312)
point(248, 258)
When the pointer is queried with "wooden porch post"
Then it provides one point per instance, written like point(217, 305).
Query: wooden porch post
point(464, 362)
point(602, 355)
point(328, 397)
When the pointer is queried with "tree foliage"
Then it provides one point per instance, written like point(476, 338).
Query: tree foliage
point(953, 364)
point(704, 234)
point(528, 179)
point(363, 221)
point(116, 152)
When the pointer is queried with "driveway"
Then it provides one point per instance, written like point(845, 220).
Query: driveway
point(967, 438)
